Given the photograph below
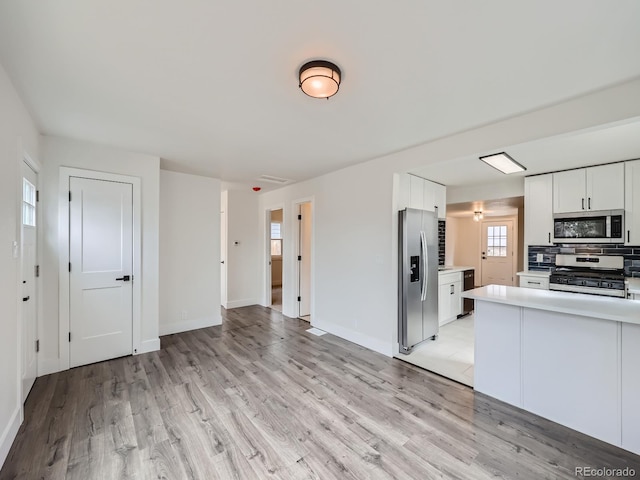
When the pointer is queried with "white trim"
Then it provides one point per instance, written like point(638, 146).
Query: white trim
point(243, 303)
point(297, 205)
point(147, 346)
point(385, 348)
point(63, 254)
point(9, 434)
point(266, 252)
point(196, 323)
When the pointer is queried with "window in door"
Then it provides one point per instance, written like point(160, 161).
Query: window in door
point(497, 241)
point(28, 203)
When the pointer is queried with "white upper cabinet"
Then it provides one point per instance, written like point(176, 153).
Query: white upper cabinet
point(538, 210)
point(416, 192)
point(569, 191)
point(593, 188)
point(605, 187)
point(632, 202)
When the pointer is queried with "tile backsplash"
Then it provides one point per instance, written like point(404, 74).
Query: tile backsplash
point(631, 255)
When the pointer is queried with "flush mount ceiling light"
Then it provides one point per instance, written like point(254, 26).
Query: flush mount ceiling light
point(320, 79)
point(477, 216)
point(503, 162)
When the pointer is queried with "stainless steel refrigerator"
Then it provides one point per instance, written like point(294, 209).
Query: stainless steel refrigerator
point(418, 282)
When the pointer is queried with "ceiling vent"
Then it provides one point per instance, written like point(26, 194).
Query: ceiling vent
point(272, 179)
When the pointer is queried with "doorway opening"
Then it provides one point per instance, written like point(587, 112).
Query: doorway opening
point(275, 257)
point(305, 222)
point(29, 272)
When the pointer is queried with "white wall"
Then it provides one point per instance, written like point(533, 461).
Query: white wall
point(18, 133)
point(70, 153)
point(355, 224)
point(243, 259)
point(189, 252)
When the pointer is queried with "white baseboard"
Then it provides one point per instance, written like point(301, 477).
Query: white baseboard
point(147, 346)
point(194, 324)
point(9, 435)
point(242, 303)
point(47, 366)
point(385, 348)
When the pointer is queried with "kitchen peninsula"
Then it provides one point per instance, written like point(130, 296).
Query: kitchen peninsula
point(569, 357)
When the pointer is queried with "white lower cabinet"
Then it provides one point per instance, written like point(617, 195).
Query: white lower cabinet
point(534, 281)
point(449, 296)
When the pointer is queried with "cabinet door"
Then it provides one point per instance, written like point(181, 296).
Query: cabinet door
point(605, 187)
point(417, 192)
point(429, 195)
point(441, 200)
point(632, 202)
point(538, 210)
point(630, 387)
point(569, 191)
point(404, 191)
point(456, 299)
point(444, 304)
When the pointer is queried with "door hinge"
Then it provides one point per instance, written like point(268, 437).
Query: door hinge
point(69, 266)
point(69, 336)
point(37, 346)
point(37, 195)
point(37, 271)
point(299, 299)
point(299, 258)
point(299, 217)
point(69, 195)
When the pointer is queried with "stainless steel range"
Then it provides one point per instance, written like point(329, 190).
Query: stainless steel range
point(594, 274)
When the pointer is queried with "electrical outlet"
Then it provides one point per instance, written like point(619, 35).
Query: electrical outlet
point(539, 258)
point(185, 314)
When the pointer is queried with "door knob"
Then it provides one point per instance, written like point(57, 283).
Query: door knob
point(126, 278)
point(222, 261)
point(24, 299)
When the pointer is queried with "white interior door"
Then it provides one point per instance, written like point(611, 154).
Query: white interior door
point(305, 260)
point(29, 293)
point(223, 258)
point(497, 253)
point(101, 267)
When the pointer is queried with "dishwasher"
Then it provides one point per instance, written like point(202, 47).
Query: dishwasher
point(468, 283)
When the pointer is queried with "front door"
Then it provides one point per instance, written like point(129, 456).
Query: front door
point(101, 266)
point(29, 319)
point(497, 253)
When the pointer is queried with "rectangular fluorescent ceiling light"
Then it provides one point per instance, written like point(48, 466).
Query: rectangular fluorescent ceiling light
point(503, 162)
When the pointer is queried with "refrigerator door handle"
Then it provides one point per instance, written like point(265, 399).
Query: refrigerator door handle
point(425, 263)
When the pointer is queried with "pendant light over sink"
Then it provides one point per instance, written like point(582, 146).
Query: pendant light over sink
point(319, 79)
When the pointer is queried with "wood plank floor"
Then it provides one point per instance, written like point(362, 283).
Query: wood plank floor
point(260, 398)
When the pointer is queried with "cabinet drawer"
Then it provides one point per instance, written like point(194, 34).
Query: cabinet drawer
point(449, 277)
point(534, 282)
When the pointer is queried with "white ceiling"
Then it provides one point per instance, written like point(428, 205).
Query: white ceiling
point(609, 143)
point(211, 86)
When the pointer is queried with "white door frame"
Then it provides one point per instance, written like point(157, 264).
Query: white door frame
point(266, 242)
point(63, 255)
point(296, 211)
point(25, 157)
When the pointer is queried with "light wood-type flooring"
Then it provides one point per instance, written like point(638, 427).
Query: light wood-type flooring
point(260, 398)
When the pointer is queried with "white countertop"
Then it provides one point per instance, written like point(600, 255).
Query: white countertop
point(606, 308)
point(453, 269)
point(634, 285)
point(535, 273)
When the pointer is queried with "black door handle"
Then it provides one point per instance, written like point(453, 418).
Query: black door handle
point(126, 278)
point(24, 299)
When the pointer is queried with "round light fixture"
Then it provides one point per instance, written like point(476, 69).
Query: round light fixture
point(320, 79)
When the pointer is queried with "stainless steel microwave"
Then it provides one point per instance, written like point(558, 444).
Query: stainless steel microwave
point(604, 226)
